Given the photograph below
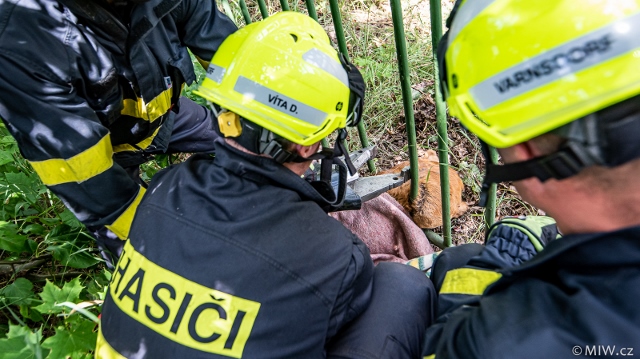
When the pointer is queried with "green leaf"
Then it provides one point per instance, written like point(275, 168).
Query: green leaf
point(52, 295)
point(10, 240)
point(50, 221)
point(5, 157)
point(15, 348)
point(21, 343)
point(70, 219)
point(74, 342)
point(19, 292)
point(17, 331)
point(34, 228)
point(80, 308)
point(97, 287)
point(71, 256)
point(27, 186)
point(28, 312)
point(31, 246)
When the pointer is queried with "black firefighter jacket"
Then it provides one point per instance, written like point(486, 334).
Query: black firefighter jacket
point(73, 93)
point(233, 257)
point(578, 298)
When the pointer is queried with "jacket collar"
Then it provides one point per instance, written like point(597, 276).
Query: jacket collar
point(266, 170)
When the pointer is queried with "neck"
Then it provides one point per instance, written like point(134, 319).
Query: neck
point(295, 167)
point(601, 200)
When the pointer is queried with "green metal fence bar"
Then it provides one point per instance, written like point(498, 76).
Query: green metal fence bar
point(337, 24)
point(441, 120)
point(407, 99)
point(245, 12)
point(263, 9)
point(435, 239)
point(342, 46)
point(285, 5)
point(311, 8)
point(490, 209)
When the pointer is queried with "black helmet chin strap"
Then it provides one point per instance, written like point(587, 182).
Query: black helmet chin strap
point(566, 162)
point(260, 140)
point(270, 146)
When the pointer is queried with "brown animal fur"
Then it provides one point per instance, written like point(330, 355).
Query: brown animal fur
point(426, 210)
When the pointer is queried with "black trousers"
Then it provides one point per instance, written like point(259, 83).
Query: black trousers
point(393, 326)
point(192, 133)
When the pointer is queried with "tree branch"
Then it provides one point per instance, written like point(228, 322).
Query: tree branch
point(17, 266)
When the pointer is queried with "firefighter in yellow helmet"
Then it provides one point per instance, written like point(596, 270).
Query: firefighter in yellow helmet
point(235, 256)
point(555, 86)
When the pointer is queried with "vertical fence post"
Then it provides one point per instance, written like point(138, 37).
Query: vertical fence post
point(490, 209)
point(311, 8)
point(245, 12)
point(441, 119)
point(285, 5)
point(342, 45)
point(407, 99)
point(263, 9)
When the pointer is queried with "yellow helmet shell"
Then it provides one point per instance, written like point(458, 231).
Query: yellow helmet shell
point(283, 74)
point(518, 68)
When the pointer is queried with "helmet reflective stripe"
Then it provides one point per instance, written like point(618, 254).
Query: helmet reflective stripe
point(320, 59)
point(215, 73)
point(596, 47)
point(283, 75)
point(467, 11)
point(256, 92)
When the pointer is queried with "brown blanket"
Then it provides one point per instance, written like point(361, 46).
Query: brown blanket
point(386, 228)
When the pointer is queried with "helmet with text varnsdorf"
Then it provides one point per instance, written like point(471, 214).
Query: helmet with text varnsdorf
point(512, 70)
point(283, 75)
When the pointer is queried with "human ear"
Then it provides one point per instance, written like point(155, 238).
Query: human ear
point(306, 151)
point(519, 153)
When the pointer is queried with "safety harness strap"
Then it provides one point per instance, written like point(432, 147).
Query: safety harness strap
point(357, 90)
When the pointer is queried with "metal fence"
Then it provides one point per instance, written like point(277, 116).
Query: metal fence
point(407, 100)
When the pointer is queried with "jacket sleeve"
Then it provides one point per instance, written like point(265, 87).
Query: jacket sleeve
point(461, 295)
point(355, 291)
point(203, 27)
point(61, 135)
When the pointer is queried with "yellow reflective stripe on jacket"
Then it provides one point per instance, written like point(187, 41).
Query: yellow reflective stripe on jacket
point(468, 281)
point(81, 167)
point(432, 356)
point(139, 146)
point(181, 310)
point(150, 111)
point(122, 225)
point(104, 350)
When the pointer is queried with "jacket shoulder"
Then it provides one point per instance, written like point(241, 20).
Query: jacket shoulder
point(39, 34)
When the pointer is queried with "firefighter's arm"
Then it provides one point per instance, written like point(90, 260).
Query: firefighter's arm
point(509, 243)
point(66, 144)
point(203, 27)
point(470, 269)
